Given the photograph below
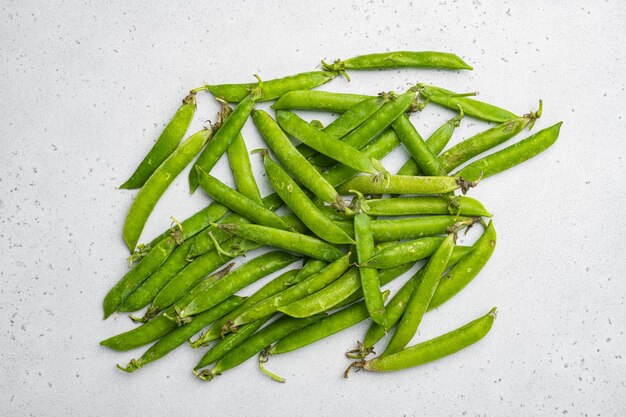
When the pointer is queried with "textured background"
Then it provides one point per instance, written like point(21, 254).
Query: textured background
point(85, 89)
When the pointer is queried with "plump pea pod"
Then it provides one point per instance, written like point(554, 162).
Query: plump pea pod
point(340, 293)
point(413, 206)
point(377, 149)
point(394, 107)
point(325, 144)
point(482, 142)
point(178, 336)
point(166, 144)
point(326, 326)
point(257, 342)
point(471, 107)
point(467, 269)
point(319, 101)
point(302, 206)
point(225, 135)
point(203, 243)
point(291, 241)
point(414, 227)
point(237, 202)
point(513, 155)
point(295, 292)
point(160, 325)
point(275, 286)
point(435, 143)
point(271, 89)
point(238, 279)
point(420, 299)
point(410, 251)
point(400, 59)
point(156, 185)
point(148, 289)
point(396, 306)
point(404, 184)
point(292, 160)
point(370, 282)
point(430, 350)
point(229, 342)
point(195, 271)
point(312, 266)
point(413, 142)
point(133, 278)
point(241, 167)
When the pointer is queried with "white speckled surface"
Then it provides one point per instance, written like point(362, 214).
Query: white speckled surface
point(86, 87)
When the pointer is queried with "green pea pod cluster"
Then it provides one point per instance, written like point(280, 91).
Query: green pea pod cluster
point(348, 225)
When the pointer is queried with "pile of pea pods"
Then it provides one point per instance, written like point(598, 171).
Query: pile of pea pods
point(353, 225)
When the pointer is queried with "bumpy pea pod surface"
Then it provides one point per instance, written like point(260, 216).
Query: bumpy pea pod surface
point(318, 100)
point(513, 155)
point(404, 184)
point(271, 89)
point(413, 142)
point(431, 350)
point(400, 59)
point(412, 206)
point(241, 168)
point(414, 227)
point(156, 185)
point(167, 142)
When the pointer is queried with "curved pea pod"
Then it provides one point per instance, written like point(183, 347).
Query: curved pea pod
point(292, 160)
point(326, 326)
point(404, 184)
point(413, 142)
point(242, 169)
point(136, 276)
point(256, 343)
point(435, 144)
point(430, 350)
point(237, 202)
point(466, 270)
point(318, 100)
point(295, 292)
point(326, 144)
point(471, 107)
point(420, 299)
point(512, 155)
point(302, 206)
point(403, 252)
point(415, 227)
point(377, 149)
point(178, 336)
point(167, 142)
point(400, 59)
point(413, 206)
point(156, 185)
point(291, 241)
point(482, 142)
point(227, 130)
point(236, 280)
point(271, 89)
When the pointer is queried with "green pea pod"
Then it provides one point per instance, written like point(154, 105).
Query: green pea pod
point(271, 89)
point(225, 135)
point(319, 101)
point(413, 206)
point(178, 336)
point(257, 342)
point(133, 278)
point(295, 242)
point(295, 292)
point(238, 279)
point(430, 350)
point(513, 155)
point(302, 206)
point(312, 266)
point(414, 227)
point(237, 202)
point(370, 282)
point(242, 169)
point(292, 160)
point(419, 301)
point(404, 184)
point(435, 144)
point(166, 144)
point(471, 107)
point(413, 142)
point(410, 251)
point(400, 59)
point(156, 185)
point(325, 144)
